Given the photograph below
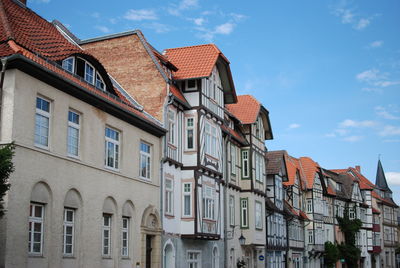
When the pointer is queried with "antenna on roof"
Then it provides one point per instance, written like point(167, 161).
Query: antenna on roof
point(379, 156)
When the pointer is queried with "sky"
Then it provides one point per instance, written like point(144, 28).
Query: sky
point(327, 71)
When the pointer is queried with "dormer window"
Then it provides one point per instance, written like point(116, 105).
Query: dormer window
point(191, 85)
point(89, 73)
point(338, 187)
point(99, 82)
point(68, 64)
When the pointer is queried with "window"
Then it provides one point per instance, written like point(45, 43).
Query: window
point(233, 159)
point(112, 148)
point(245, 164)
point(232, 210)
point(145, 160)
point(351, 213)
point(89, 73)
point(338, 186)
point(73, 133)
point(69, 228)
point(258, 207)
point(169, 196)
point(190, 133)
point(42, 122)
point(191, 85)
point(244, 213)
point(310, 237)
point(259, 128)
point(106, 236)
point(211, 140)
point(187, 199)
point(68, 64)
point(99, 82)
point(259, 167)
point(171, 126)
point(194, 259)
point(36, 216)
point(125, 237)
point(215, 257)
point(309, 206)
point(208, 202)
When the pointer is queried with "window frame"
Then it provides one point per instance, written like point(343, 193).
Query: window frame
point(232, 210)
point(123, 231)
point(73, 65)
point(260, 215)
point(196, 261)
point(47, 115)
point(309, 205)
point(208, 203)
point(244, 211)
point(169, 197)
point(78, 128)
point(245, 164)
point(185, 193)
point(211, 139)
point(187, 88)
point(117, 146)
point(172, 130)
point(103, 229)
point(190, 128)
point(233, 159)
point(35, 220)
point(93, 75)
point(71, 224)
point(147, 155)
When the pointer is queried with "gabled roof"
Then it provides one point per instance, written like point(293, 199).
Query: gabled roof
point(194, 61)
point(293, 167)
point(237, 135)
point(27, 37)
point(381, 179)
point(275, 163)
point(310, 168)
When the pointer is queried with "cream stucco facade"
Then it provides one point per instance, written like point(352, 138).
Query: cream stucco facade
point(51, 178)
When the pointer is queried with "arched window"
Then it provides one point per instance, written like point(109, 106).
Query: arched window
point(109, 210)
point(126, 236)
point(40, 198)
point(215, 257)
point(72, 206)
point(169, 255)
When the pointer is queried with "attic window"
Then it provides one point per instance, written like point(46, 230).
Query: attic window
point(89, 73)
point(68, 64)
point(191, 85)
point(99, 82)
point(338, 187)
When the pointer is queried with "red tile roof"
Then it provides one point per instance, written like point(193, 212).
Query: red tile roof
point(194, 61)
point(304, 216)
point(310, 168)
point(178, 94)
point(235, 134)
point(25, 33)
point(375, 211)
point(246, 109)
point(331, 191)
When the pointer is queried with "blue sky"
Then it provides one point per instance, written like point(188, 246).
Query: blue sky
point(328, 71)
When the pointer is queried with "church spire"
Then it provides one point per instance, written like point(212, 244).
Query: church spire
point(381, 179)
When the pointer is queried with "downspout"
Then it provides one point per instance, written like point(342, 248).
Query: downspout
point(3, 72)
point(225, 160)
point(163, 158)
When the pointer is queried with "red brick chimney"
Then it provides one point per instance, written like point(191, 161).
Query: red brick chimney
point(358, 168)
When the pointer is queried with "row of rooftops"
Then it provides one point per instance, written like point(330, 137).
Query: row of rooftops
point(306, 170)
point(24, 33)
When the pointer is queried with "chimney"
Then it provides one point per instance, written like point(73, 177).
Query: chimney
point(358, 168)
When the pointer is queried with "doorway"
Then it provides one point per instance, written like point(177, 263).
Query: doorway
point(149, 239)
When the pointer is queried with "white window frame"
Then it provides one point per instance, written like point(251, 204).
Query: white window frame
point(193, 262)
point(47, 115)
point(116, 144)
point(185, 194)
point(309, 205)
point(232, 210)
point(310, 237)
point(208, 203)
point(77, 127)
point(259, 167)
point(169, 197)
point(67, 224)
point(87, 65)
point(258, 215)
point(245, 163)
point(188, 129)
point(191, 88)
point(125, 230)
point(65, 62)
point(211, 139)
point(244, 212)
point(233, 159)
point(33, 220)
point(147, 156)
point(98, 78)
point(104, 229)
point(171, 127)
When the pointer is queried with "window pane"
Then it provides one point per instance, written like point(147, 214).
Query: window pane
point(187, 205)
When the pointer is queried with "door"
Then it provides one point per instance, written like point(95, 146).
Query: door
point(149, 239)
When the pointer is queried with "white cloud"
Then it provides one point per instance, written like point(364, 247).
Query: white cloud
point(238, 17)
point(382, 111)
point(158, 27)
point(352, 123)
point(372, 89)
point(95, 15)
point(294, 125)
point(390, 131)
point(376, 44)
point(362, 23)
point(346, 15)
point(102, 29)
point(353, 138)
point(393, 178)
point(176, 9)
point(370, 75)
point(375, 78)
point(226, 28)
point(199, 21)
point(140, 14)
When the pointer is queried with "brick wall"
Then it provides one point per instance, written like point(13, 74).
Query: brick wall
point(126, 59)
